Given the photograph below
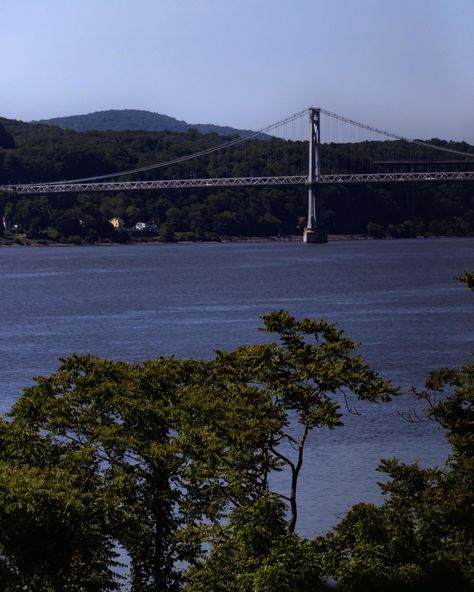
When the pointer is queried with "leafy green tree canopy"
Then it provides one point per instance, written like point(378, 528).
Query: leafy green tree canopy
point(421, 539)
point(312, 372)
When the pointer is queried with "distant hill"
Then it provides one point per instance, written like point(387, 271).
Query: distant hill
point(135, 119)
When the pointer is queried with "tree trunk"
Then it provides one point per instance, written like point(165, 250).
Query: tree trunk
point(295, 472)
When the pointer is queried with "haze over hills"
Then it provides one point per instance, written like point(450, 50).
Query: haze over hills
point(136, 119)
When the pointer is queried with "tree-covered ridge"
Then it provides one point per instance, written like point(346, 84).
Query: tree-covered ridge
point(39, 153)
point(135, 119)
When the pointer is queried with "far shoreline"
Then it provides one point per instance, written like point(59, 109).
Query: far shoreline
point(25, 242)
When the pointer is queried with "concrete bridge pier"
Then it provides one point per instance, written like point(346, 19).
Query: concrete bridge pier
point(314, 232)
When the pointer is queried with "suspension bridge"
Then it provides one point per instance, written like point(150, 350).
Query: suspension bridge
point(326, 133)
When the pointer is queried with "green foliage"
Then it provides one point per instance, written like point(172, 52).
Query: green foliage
point(6, 139)
point(406, 229)
point(53, 525)
point(375, 230)
point(170, 460)
point(151, 456)
point(313, 371)
point(256, 553)
point(155, 447)
point(422, 536)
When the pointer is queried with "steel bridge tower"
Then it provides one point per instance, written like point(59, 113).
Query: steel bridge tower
point(314, 232)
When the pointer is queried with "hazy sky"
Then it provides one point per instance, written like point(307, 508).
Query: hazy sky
point(406, 66)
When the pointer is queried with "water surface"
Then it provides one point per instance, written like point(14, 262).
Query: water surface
point(398, 298)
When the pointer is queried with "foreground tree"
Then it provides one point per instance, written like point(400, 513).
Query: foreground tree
point(311, 374)
point(53, 527)
point(256, 552)
point(421, 538)
point(155, 449)
point(153, 456)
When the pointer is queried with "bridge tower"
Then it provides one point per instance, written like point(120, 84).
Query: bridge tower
point(314, 232)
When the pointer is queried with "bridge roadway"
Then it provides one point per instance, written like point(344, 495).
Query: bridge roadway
point(65, 187)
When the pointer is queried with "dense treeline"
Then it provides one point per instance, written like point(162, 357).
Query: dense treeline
point(36, 153)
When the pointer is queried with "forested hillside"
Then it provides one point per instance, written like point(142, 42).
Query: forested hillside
point(135, 119)
point(34, 152)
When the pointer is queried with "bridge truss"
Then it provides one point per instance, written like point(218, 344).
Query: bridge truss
point(301, 180)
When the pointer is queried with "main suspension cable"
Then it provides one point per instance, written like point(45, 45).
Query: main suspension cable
point(159, 165)
point(394, 136)
point(254, 135)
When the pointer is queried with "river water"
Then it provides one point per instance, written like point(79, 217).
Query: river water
point(133, 302)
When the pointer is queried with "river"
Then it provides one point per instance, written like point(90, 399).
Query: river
point(133, 302)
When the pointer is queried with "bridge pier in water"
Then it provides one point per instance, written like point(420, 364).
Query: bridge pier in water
point(318, 235)
point(314, 232)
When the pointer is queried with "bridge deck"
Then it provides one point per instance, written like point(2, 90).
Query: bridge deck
point(238, 182)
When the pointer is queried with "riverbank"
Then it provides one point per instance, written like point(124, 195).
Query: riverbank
point(23, 241)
